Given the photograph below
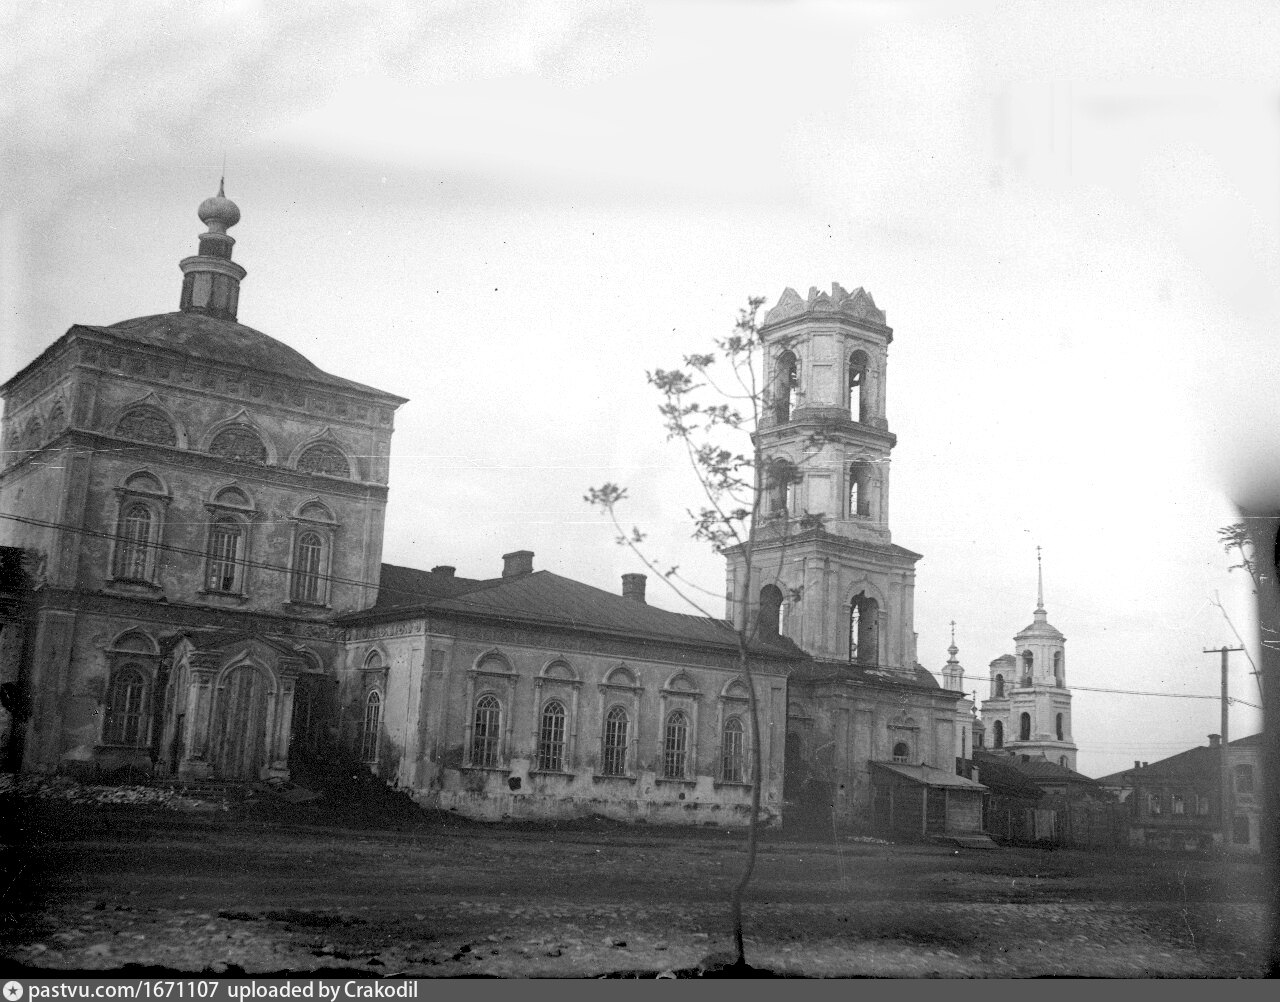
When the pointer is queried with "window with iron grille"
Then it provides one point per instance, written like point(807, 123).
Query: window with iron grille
point(551, 738)
point(224, 554)
point(675, 746)
point(134, 543)
point(732, 758)
point(484, 733)
point(1244, 779)
point(125, 724)
point(307, 577)
point(369, 732)
point(615, 742)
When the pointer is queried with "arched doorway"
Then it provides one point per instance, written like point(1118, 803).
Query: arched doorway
point(241, 728)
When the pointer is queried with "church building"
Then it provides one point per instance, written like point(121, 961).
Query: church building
point(1028, 711)
point(199, 513)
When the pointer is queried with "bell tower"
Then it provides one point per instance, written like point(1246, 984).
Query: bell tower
point(1029, 707)
point(823, 550)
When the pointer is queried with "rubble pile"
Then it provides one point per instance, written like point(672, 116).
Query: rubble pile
point(64, 788)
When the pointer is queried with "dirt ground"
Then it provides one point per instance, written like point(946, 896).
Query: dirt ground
point(271, 886)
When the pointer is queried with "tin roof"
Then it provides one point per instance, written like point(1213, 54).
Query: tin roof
point(930, 776)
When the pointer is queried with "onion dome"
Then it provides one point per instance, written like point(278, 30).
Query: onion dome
point(219, 213)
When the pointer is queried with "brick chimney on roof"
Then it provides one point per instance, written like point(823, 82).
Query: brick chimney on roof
point(1215, 740)
point(517, 564)
point(633, 587)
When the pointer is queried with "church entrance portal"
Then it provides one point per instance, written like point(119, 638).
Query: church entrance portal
point(241, 727)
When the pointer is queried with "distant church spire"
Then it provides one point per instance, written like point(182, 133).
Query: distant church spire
point(211, 280)
point(1039, 584)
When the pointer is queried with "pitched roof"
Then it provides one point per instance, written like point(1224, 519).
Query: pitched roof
point(1040, 769)
point(999, 775)
point(545, 598)
point(917, 675)
point(929, 775)
point(1200, 763)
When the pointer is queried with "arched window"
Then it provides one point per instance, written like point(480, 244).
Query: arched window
point(997, 734)
point(1028, 661)
point(770, 610)
point(369, 732)
point(1058, 678)
point(1058, 726)
point(675, 746)
point(615, 742)
point(133, 543)
point(307, 569)
point(239, 442)
point(860, 490)
point(147, 424)
point(484, 733)
point(857, 386)
point(780, 486)
point(864, 641)
point(999, 694)
point(901, 753)
point(551, 737)
point(733, 752)
point(225, 545)
point(1062, 761)
point(1024, 727)
point(126, 699)
point(786, 381)
point(326, 459)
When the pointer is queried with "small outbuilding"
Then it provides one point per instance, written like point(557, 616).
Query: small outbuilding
point(920, 801)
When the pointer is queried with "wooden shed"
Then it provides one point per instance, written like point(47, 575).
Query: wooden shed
point(919, 801)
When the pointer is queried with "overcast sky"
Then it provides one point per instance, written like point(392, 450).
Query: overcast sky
point(508, 212)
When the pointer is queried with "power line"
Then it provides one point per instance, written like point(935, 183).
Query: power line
point(1132, 692)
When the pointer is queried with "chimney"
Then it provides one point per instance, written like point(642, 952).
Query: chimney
point(1215, 740)
point(1137, 764)
point(633, 587)
point(517, 564)
point(444, 570)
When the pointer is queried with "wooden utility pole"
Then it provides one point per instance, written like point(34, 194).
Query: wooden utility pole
point(1226, 814)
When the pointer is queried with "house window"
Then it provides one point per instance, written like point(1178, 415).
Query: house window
point(1202, 805)
point(1240, 829)
point(239, 442)
point(732, 760)
point(997, 734)
point(372, 720)
point(1024, 727)
point(1244, 779)
point(125, 723)
point(1177, 805)
point(326, 459)
point(675, 746)
point(901, 753)
point(551, 738)
point(133, 545)
point(224, 556)
point(615, 742)
point(484, 733)
point(1153, 803)
point(307, 576)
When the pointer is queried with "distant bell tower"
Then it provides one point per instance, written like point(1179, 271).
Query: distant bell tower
point(826, 572)
point(1028, 710)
